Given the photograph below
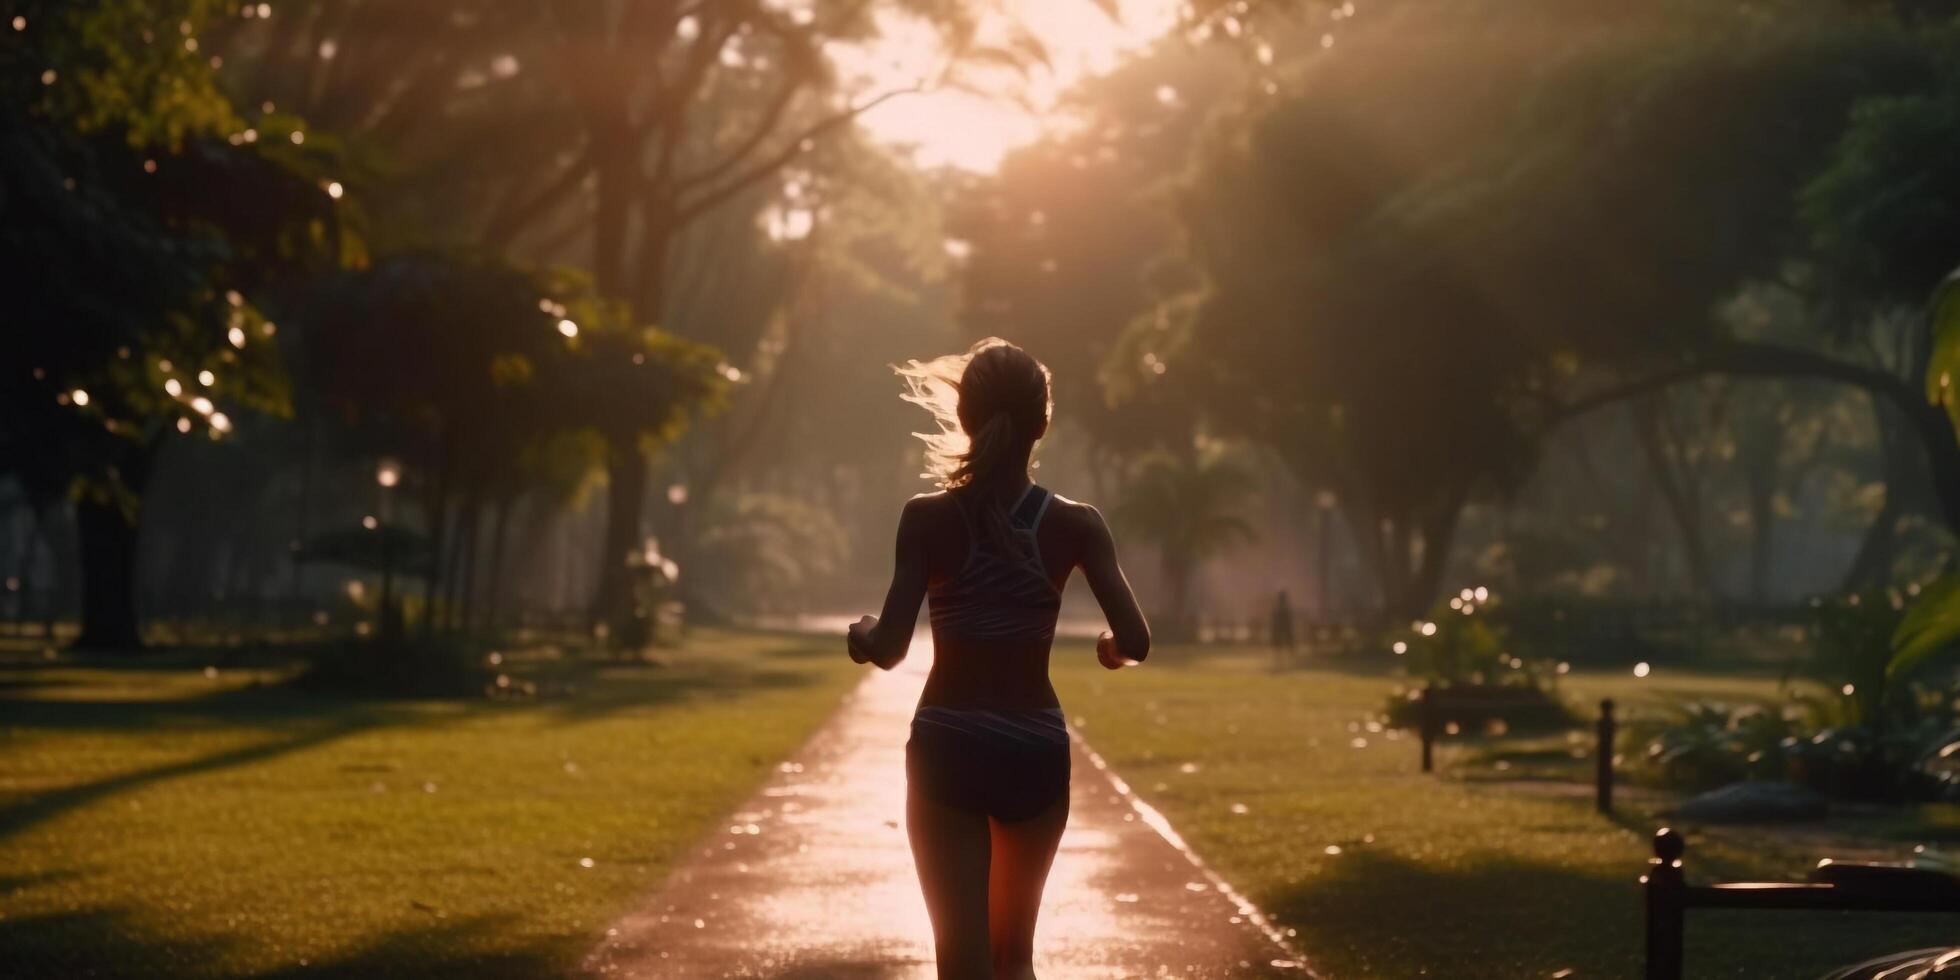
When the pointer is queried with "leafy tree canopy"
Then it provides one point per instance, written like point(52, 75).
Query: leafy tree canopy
point(1450, 212)
point(1885, 212)
point(138, 230)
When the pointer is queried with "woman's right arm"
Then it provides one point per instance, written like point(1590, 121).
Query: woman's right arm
point(1128, 640)
point(884, 640)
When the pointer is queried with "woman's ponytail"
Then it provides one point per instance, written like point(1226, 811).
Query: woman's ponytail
point(989, 468)
point(989, 453)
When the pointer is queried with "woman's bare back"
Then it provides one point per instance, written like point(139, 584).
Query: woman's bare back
point(934, 541)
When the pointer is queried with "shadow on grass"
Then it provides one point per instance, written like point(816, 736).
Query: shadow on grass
point(271, 707)
point(11, 684)
point(1491, 917)
point(14, 883)
point(1505, 917)
point(448, 949)
point(594, 690)
point(575, 689)
point(184, 656)
point(291, 721)
point(96, 943)
point(1734, 852)
point(23, 815)
point(109, 942)
point(295, 720)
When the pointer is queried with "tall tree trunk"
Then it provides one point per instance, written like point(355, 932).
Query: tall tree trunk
point(499, 533)
point(1760, 454)
point(1396, 568)
point(30, 543)
point(626, 486)
point(436, 505)
point(303, 516)
point(1364, 529)
point(432, 571)
point(453, 563)
point(107, 541)
point(617, 187)
point(1676, 488)
point(613, 183)
point(538, 577)
point(466, 609)
point(57, 523)
point(1762, 539)
point(106, 537)
point(1629, 528)
point(1324, 564)
point(1438, 536)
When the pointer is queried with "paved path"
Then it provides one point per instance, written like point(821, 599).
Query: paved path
point(813, 878)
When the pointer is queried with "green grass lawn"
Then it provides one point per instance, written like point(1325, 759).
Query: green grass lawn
point(1276, 779)
point(159, 822)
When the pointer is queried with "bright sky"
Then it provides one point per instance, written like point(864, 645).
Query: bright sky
point(972, 130)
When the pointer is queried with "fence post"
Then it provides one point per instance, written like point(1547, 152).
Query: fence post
point(1603, 779)
point(1426, 726)
point(1666, 906)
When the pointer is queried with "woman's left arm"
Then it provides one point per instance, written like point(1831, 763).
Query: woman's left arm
point(884, 640)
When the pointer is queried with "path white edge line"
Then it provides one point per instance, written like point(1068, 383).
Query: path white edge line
point(1155, 820)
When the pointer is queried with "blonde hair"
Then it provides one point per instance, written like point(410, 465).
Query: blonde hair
point(991, 404)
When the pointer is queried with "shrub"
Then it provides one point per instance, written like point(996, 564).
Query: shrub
point(438, 668)
point(1460, 651)
point(1707, 745)
point(1851, 643)
point(1485, 709)
point(1455, 643)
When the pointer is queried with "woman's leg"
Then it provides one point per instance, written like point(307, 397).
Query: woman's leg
point(951, 848)
point(1023, 850)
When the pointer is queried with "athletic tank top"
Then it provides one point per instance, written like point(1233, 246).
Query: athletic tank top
point(998, 597)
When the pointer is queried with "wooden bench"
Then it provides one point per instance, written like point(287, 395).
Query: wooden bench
point(1669, 897)
point(1432, 705)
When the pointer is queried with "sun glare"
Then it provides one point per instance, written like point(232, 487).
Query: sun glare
point(972, 126)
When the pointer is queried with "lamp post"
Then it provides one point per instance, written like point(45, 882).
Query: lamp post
point(387, 475)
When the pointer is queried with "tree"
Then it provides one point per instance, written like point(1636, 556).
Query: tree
point(1870, 229)
point(776, 281)
point(468, 367)
point(863, 287)
point(1893, 241)
point(1074, 238)
point(1458, 227)
point(1884, 213)
point(1304, 331)
point(754, 549)
point(640, 120)
point(136, 227)
point(1187, 505)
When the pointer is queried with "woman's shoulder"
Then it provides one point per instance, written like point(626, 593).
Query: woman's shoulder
point(1075, 514)
point(928, 504)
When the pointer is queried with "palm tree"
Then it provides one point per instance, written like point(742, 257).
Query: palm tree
point(1187, 506)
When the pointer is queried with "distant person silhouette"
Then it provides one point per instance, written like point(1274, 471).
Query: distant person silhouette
point(987, 764)
point(1281, 633)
